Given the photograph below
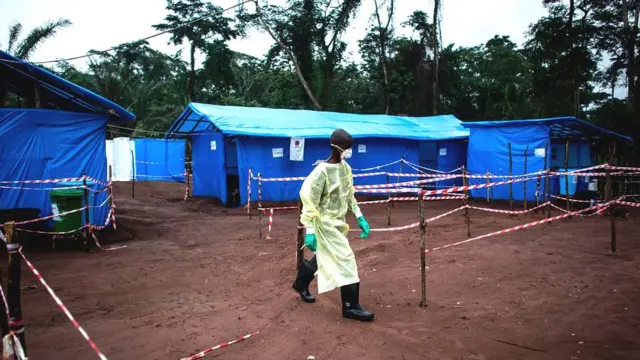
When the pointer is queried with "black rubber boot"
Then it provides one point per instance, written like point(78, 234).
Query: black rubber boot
point(351, 308)
point(306, 273)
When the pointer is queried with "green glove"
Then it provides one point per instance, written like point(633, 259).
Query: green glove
point(311, 241)
point(364, 225)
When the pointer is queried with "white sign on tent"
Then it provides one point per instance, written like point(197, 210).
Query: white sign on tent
point(296, 149)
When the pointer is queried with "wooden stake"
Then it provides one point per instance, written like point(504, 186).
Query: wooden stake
point(547, 184)
point(4, 321)
point(465, 182)
point(609, 197)
point(488, 187)
point(526, 151)
point(388, 205)
point(260, 205)
point(566, 176)
point(111, 192)
point(510, 178)
point(423, 254)
point(133, 176)
point(300, 237)
point(87, 225)
point(14, 291)
point(249, 194)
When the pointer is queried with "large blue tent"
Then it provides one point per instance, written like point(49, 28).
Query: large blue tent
point(489, 150)
point(62, 136)
point(227, 141)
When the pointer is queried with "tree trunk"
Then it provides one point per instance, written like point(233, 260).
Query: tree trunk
point(292, 56)
point(192, 75)
point(382, 44)
point(434, 84)
point(3, 96)
point(631, 31)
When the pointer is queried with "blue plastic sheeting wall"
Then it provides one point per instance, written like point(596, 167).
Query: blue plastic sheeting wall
point(208, 164)
point(488, 150)
point(451, 155)
point(160, 160)
point(580, 155)
point(257, 154)
point(50, 144)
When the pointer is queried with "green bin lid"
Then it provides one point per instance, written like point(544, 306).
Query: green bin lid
point(67, 192)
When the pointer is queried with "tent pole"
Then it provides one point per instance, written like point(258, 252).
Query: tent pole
point(87, 225)
point(510, 178)
point(526, 150)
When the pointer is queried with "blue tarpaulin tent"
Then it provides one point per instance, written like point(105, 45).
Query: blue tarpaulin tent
point(489, 150)
point(64, 137)
point(227, 141)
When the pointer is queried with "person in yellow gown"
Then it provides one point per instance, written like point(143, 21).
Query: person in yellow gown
point(327, 194)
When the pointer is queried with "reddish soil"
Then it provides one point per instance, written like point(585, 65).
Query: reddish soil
point(195, 275)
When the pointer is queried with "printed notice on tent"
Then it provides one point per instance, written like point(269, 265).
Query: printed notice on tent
point(443, 152)
point(277, 152)
point(214, 146)
point(362, 148)
point(296, 149)
point(539, 152)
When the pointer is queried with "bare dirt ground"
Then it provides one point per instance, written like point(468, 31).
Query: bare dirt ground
point(195, 275)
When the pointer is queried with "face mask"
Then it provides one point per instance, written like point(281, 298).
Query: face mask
point(344, 154)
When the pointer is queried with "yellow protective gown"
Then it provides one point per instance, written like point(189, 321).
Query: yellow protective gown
point(326, 195)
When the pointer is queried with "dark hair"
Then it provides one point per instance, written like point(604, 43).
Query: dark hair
point(342, 139)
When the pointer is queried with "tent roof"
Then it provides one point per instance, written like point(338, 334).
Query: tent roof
point(265, 122)
point(19, 77)
point(561, 128)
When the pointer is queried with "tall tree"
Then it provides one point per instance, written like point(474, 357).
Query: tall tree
point(198, 22)
point(436, 56)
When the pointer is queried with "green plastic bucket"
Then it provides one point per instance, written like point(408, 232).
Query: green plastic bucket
point(63, 200)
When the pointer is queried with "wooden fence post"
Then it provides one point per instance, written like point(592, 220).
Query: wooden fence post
point(510, 178)
point(525, 174)
point(423, 254)
point(388, 204)
point(465, 182)
point(260, 205)
point(566, 176)
point(14, 291)
point(547, 183)
point(133, 175)
point(488, 187)
point(87, 224)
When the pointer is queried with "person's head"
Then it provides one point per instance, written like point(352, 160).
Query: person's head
point(341, 143)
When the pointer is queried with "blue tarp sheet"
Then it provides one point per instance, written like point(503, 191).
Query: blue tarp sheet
point(489, 150)
point(160, 160)
point(257, 154)
point(580, 155)
point(263, 122)
point(49, 144)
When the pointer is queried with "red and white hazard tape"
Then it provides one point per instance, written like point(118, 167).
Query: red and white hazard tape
point(416, 224)
point(624, 168)
point(249, 191)
point(491, 176)
point(627, 203)
point(418, 167)
point(406, 183)
point(202, 353)
point(570, 200)
point(95, 240)
point(63, 308)
point(49, 217)
point(380, 166)
point(47, 181)
point(519, 227)
point(40, 189)
point(472, 187)
point(279, 208)
point(387, 191)
point(599, 212)
point(186, 187)
point(510, 212)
